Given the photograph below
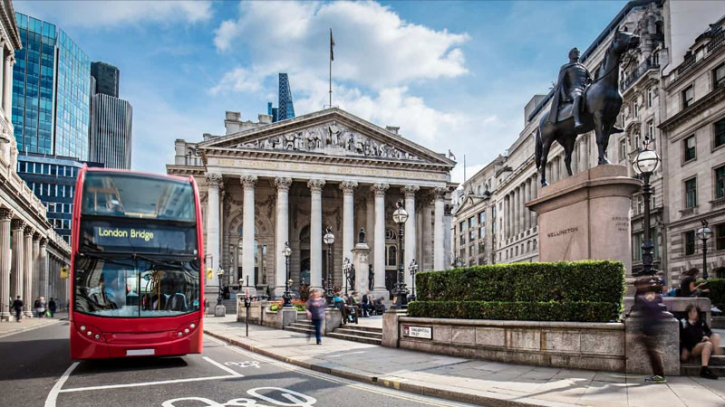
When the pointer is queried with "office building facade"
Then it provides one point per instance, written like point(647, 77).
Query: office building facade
point(111, 119)
point(286, 108)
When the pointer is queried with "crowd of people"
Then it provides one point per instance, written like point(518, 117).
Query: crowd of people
point(41, 308)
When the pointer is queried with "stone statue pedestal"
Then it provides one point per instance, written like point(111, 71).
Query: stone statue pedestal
point(587, 216)
point(361, 262)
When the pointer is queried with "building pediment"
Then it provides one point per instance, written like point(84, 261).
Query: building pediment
point(329, 133)
point(470, 201)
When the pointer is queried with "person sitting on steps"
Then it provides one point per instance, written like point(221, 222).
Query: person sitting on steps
point(698, 340)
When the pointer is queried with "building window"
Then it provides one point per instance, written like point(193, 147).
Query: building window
point(392, 256)
point(472, 235)
point(689, 243)
point(650, 97)
point(463, 226)
point(651, 130)
point(690, 151)
point(636, 109)
point(482, 218)
point(482, 232)
point(472, 222)
point(720, 236)
point(688, 96)
point(720, 133)
point(691, 193)
point(719, 74)
point(720, 182)
point(622, 149)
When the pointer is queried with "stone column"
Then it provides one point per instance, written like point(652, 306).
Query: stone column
point(439, 255)
point(28, 271)
point(361, 262)
point(379, 244)
point(281, 234)
point(43, 268)
point(248, 183)
point(529, 187)
point(316, 186)
point(426, 234)
point(213, 255)
point(505, 213)
point(6, 215)
point(410, 233)
point(36, 269)
point(370, 223)
point(8, 86)
point(16, 274)
point(348, 219)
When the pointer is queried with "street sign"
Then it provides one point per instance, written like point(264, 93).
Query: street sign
point(64, 272)
point(420, 332)
point(209, 274)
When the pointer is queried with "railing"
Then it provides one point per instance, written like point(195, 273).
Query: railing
point(638, 72)
point(716, 42)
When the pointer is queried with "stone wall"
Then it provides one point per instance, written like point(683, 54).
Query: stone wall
point(572, 345)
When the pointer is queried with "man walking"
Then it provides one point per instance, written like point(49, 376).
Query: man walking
point(18, 308)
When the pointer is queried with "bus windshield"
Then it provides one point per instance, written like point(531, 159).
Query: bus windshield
point(135, 196)
point(136, 287)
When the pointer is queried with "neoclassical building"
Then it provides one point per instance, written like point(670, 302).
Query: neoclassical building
point(264, 184)
point(31, 253)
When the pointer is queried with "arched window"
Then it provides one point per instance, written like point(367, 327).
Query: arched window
point(391, 255)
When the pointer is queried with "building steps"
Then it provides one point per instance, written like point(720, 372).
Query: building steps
point(303, 326)
point(357, 333)
point(692, 367)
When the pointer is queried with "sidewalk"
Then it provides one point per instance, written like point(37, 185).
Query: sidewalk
point(8, 328)
point(472, 381)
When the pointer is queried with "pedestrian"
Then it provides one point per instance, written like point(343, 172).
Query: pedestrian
point(316, 312)
point(52, 307)
point(18, 308)
point(698, 340)
point(648, 302)
point(366, 303)
point(206, 306)
point(688, 288)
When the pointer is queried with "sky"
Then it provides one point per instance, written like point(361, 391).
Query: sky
point(453, 75)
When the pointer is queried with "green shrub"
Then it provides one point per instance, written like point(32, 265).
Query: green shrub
point(517, 311)
point(717, 291)
point(580, 281)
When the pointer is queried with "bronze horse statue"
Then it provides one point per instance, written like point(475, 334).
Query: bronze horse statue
point(602, 102)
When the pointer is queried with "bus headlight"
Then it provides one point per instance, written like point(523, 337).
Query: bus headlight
point(180, 334)
point(186, 331)
point(192, 326)
point(83, 328)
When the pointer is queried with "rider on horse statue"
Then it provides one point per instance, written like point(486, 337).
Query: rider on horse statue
point(573, 79)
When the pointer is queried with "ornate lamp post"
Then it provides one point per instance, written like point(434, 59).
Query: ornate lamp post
point(413, 270)
point(329, 239)
point(346, 268)
point(287, 296)
point(220, 274)
point(703, 234)
point(400, 216)
point(644, 164)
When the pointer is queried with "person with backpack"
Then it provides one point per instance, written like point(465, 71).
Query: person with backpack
point(18, 308)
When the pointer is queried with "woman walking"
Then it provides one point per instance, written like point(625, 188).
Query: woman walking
point(316, 312)
point(40, 307)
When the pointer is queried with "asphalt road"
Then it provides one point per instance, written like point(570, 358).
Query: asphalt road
point(37, 371)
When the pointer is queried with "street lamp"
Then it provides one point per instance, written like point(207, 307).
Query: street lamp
point(220, 274)
point(703, 234)
point(413, 270)
point(346, 269)
point(644, 164)
point(329, 239)
point(287, 296)
point(400, 292)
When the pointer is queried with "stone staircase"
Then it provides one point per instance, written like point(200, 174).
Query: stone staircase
point(692, 366)
point(303, 326)
point(357, 333)
point(231, 306)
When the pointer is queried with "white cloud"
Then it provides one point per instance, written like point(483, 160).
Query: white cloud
point(238, 80)
point(374, 47)
point(113, 13)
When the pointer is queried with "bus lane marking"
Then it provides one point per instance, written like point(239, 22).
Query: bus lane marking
point(291, 399)
point(245, 364)
point(232, 375)
point(53, 395)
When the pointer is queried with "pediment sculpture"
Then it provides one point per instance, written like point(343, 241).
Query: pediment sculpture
point(331, 139)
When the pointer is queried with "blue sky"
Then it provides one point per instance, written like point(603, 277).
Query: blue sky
point(452, 75)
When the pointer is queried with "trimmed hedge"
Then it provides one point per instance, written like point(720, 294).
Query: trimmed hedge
point(580, 281)
point(717, 291)
point(517, 311)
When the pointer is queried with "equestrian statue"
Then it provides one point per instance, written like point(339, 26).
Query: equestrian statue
point(581, 104)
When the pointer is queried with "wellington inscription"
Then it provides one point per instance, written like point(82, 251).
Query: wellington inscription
point(563, 232)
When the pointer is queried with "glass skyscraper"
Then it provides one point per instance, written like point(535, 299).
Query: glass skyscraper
point(51, 91)
point(111, 119)
point(285, 109)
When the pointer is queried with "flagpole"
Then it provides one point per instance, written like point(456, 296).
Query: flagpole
point(332, 44)
point(464, 168)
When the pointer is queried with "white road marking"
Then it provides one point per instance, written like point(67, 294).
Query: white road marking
point(53, 395)
point(222, 367)
point(120, 386)
point(349, 383)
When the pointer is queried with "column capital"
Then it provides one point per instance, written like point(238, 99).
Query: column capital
point(440, 192)
point(36, 235)
point(379, 188)
point(316, 185)
point(6, 214)
point(283, 183)
point(17, 224)
point(28, 231)
point(43, 243)
point(214, 180)
point(348, 187)
point(410, 190)
point(248, 181)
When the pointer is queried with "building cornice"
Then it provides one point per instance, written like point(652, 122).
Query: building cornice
point(696, 108)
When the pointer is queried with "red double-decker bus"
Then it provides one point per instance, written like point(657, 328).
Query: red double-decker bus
point(136, 267)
